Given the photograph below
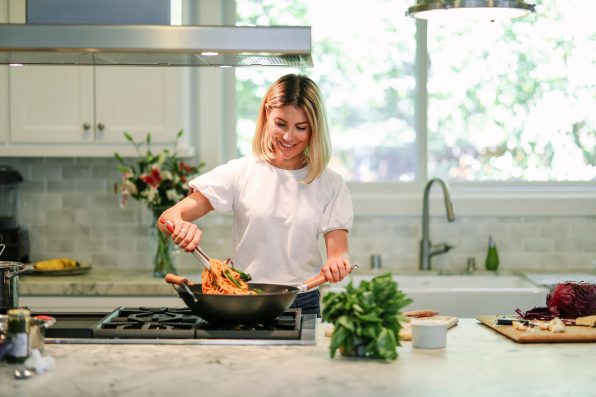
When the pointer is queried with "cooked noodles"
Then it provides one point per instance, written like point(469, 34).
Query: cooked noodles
point(225, 280)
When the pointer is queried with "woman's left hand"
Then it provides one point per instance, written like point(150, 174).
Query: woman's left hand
point(336, 269)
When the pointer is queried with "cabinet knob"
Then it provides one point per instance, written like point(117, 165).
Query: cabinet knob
point(86, 126)
point(100, 126)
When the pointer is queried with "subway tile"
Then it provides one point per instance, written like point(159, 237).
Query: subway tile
point(590, 245)
point(76, 171)
point(554, 230)
point(90, 185)
point(61, 186)
point(553, 261)
point(523, 231)
point(90, 246)
point(61, 216)
point(538, 245)
point(76, 202)
point(582, 262)
point(569, 245)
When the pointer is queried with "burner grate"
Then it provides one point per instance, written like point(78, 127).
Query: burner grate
point(176, 323)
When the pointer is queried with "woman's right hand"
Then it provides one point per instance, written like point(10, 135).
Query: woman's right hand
point(186, 235)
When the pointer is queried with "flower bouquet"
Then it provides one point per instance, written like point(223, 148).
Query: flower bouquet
point(160, 180)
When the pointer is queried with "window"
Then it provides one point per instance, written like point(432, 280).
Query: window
point(364, 56)
point(506, 101)
point(514, 101)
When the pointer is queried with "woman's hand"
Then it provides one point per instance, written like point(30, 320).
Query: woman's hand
point(336, 269)
point(186, 235)
point(338, 264)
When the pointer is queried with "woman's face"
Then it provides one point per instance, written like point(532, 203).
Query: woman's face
point(290, 132)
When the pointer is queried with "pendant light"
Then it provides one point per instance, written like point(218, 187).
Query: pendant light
point(470, 9)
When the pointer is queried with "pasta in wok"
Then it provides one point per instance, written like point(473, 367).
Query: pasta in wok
point(223, 279)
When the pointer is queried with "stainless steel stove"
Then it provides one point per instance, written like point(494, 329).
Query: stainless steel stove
point(144, 325)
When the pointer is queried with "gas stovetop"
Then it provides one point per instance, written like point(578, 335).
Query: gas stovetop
point(176, 326)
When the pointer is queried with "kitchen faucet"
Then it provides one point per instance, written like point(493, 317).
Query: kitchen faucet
point(427, 250)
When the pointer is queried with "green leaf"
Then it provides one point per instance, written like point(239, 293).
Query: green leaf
point(341, 338)
point(386, 344)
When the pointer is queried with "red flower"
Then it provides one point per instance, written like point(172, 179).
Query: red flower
point(153, 179)
point(185, 168)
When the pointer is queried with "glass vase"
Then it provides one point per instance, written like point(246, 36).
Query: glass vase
point(164, 248)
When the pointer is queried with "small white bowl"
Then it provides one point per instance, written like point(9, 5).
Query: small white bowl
point(429, 334)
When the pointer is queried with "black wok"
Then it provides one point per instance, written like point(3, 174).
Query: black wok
point(240, 309)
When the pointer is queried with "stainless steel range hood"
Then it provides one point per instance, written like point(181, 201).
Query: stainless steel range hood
point(154, 45)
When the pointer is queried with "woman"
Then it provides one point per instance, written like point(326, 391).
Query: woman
point(283, 197)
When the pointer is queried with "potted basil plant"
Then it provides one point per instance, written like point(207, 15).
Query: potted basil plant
point(367, 318)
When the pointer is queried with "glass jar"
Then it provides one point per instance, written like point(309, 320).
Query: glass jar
point(18, 332)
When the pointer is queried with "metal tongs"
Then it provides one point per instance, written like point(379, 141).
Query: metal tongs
point(197, 252)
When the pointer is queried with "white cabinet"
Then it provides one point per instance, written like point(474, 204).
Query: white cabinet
point(85, 110)
point(95, 105)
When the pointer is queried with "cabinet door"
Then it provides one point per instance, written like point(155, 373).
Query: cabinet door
point(51, 104)
point(138, 100)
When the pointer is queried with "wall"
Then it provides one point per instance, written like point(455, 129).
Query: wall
point(70, 209)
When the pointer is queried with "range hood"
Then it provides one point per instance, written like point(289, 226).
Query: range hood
point(155, 45)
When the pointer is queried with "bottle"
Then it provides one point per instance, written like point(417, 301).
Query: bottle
point(492, 257)
point(18, 333)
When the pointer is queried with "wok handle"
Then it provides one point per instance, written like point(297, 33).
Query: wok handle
point(178, 280)
point(318, 280)
point(181, 281)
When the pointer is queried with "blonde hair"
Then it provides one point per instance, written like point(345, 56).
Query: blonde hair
point(303, 93)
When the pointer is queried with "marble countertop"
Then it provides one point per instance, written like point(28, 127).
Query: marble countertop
point(476, 361)
point(99, 282)
point(105, 281)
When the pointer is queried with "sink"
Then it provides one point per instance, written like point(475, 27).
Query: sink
point(451, 282)
point(550, 279)
point(463, 295)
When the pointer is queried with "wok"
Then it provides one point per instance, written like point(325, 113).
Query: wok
point(241, 309)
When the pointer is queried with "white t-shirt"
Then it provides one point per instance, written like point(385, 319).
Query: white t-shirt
point(277, 218)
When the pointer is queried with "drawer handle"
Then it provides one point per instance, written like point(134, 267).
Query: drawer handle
point(86, 126)
point(100, 126)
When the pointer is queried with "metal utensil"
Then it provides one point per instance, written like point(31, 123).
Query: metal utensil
point(197, 252)
point(24, 373)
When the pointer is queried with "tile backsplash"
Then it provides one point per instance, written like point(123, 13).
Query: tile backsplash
point(69, 207)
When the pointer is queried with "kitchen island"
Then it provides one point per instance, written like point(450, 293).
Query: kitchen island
point(477, 361)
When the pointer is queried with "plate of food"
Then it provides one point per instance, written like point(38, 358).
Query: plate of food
point(60, 267)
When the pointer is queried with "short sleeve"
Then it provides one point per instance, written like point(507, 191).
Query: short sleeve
point(338, 212)
point(218, 185)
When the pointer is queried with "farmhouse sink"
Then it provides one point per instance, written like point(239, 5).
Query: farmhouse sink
point(463, 295)
point(550, 279)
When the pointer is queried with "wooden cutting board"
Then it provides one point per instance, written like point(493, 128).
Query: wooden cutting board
point(406, 332)
point(572, 333)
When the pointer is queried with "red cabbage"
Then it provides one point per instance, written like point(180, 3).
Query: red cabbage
point(572, 299)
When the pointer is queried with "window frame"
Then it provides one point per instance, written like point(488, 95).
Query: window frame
point(215, 121)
